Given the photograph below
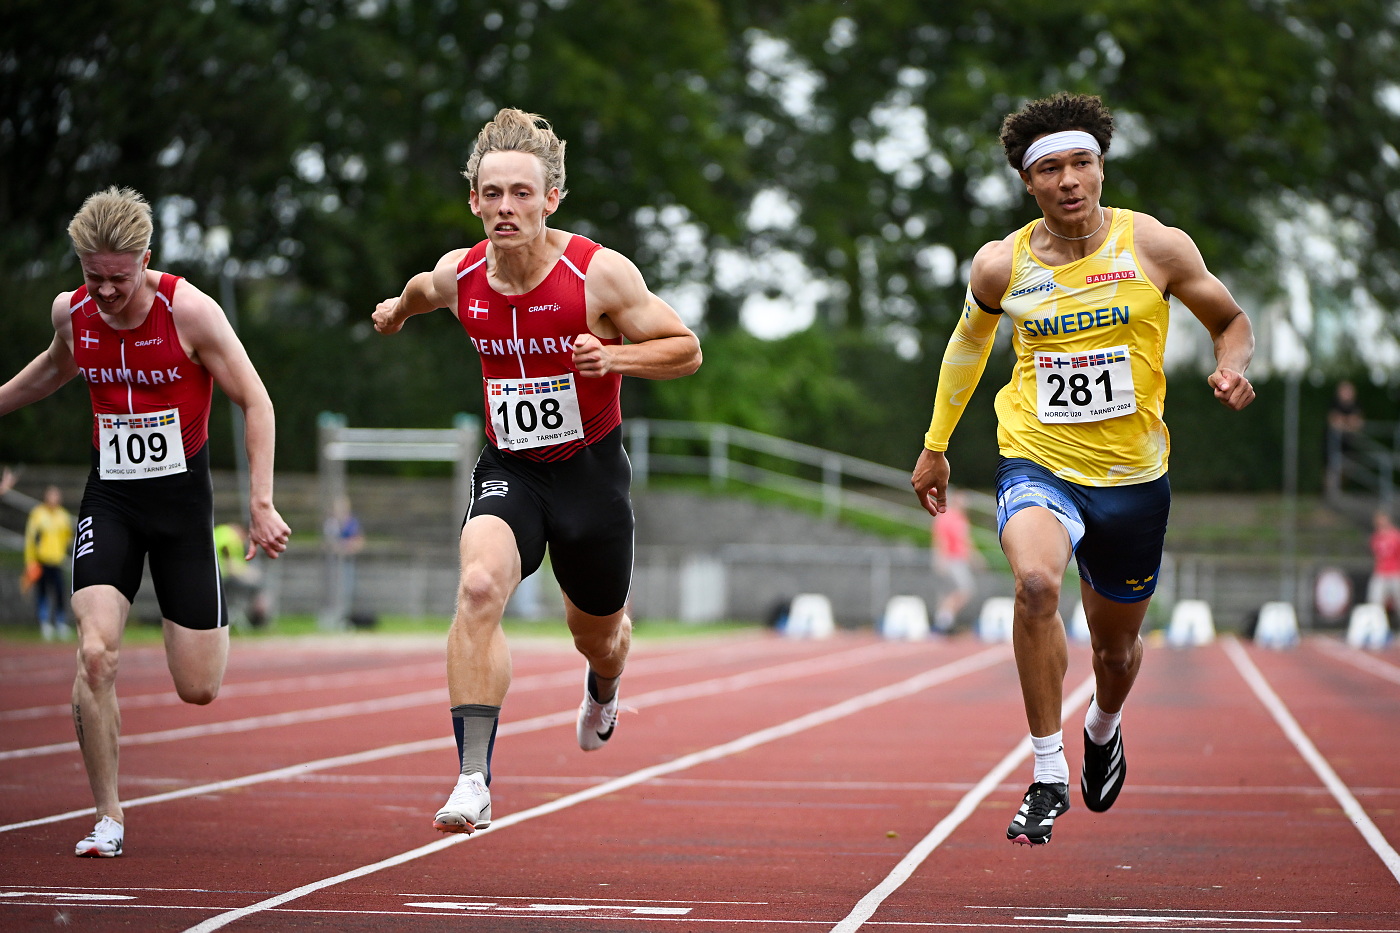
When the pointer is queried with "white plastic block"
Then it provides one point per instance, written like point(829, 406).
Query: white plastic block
point(994, 621)
point(810, 617)
point(1278, 626)
point(1191, 624)
point(905, 619)
point(1368, 626)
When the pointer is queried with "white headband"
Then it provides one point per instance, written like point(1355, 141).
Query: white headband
point(1059, 142)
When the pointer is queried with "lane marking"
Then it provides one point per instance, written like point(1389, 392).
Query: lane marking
point(659, 664)
point(900, 690)
point(1359, 659)
point(867, 905)
point(1311, 755)
point(312, 714)
point(789, 671)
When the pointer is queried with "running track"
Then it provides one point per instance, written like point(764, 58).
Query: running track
point(759, 785)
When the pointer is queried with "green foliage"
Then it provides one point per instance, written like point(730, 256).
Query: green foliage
point(326, 139)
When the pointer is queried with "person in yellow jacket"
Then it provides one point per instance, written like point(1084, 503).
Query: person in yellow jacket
point(1085, 290)
point(48, 535)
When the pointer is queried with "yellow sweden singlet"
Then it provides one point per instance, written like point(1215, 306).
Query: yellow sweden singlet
point(1086, 396)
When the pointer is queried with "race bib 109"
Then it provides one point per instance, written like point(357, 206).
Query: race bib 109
point(534, 412)
point(140, 446)
point(1075, 388)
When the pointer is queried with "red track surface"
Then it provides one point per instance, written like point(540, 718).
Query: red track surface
point(759, 785)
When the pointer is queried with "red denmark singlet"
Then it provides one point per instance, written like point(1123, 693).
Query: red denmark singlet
point(143, 369)
point(526, 344)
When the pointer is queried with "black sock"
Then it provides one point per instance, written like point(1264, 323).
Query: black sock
point(597, 686)
point(474, 727)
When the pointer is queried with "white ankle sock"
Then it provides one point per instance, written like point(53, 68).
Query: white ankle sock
point(1050, 764)
point(1099, 725)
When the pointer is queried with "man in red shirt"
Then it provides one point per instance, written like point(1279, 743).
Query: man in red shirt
point(548, 312)
point(150, 347)
point(1384, 588)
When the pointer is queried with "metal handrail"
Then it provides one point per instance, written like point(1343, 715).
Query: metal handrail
point(833, 491)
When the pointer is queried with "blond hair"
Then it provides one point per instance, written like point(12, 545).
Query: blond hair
point(115, 220)
point(517, 131)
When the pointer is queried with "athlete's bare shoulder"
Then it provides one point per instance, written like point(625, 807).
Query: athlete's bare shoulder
point(991, 270)
point(1168, 254)
point(60, 315)
point(445, 279)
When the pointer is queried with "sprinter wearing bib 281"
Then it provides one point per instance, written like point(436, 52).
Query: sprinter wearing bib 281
point(1085, 290)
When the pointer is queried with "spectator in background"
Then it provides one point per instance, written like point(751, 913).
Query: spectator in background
point(953, 559)
point(1384, 588)
point(242, 578)
point(47, 537)
point(1345, 422)
point(344, 538)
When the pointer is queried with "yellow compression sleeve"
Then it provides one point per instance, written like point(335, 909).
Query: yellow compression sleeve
point(964, 359)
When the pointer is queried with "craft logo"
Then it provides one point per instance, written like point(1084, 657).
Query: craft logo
point(153, 342)
point(1048, 286)
point(552, 307)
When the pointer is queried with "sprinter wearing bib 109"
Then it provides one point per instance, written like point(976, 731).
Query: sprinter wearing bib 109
point(1086, 290)
point(150, 347)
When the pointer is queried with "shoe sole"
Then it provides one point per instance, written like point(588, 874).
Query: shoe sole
point(1024, 840)
point(460, 825)
point(97, 853)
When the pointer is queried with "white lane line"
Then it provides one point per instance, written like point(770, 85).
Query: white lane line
point(791, 670)
point(912, 685)
point(323, 713)
point(248, 689)
point(642, 665)
point(1356, 658)
point(865, 908)
point(1311, 755)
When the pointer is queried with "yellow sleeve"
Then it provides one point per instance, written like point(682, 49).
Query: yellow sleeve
point(964, 359)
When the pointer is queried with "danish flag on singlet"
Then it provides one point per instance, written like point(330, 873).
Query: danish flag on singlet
point(478, 308)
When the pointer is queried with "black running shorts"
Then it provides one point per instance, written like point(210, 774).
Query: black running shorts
point(168, 520)
point(580, 508)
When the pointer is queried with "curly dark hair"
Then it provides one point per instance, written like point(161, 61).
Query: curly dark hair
point(1063, 111)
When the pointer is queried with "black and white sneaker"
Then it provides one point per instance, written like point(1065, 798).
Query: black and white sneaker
point(1036, 818)
point(1104, 769)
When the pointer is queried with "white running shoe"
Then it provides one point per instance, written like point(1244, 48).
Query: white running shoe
point(468, 808)
point(596, 722)
point(105, 840)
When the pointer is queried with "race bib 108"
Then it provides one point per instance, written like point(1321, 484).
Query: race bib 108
point(1075, 388)
point(534, 412)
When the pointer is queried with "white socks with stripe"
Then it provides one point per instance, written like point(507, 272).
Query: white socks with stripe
point(1050, 764)
point(1100, 726)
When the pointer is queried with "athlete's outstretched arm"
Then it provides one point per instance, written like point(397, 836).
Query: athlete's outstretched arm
point(202, 324)
point(659, 345)
point(426, 291)
point(46, 372)
point(964, 360)
point(1184, 272)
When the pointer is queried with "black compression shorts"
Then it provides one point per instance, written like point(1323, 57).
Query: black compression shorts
point(580, 508)
point(166, 519)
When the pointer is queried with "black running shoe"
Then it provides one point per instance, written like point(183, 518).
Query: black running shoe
point(1104, 769)
point(1036, 818)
